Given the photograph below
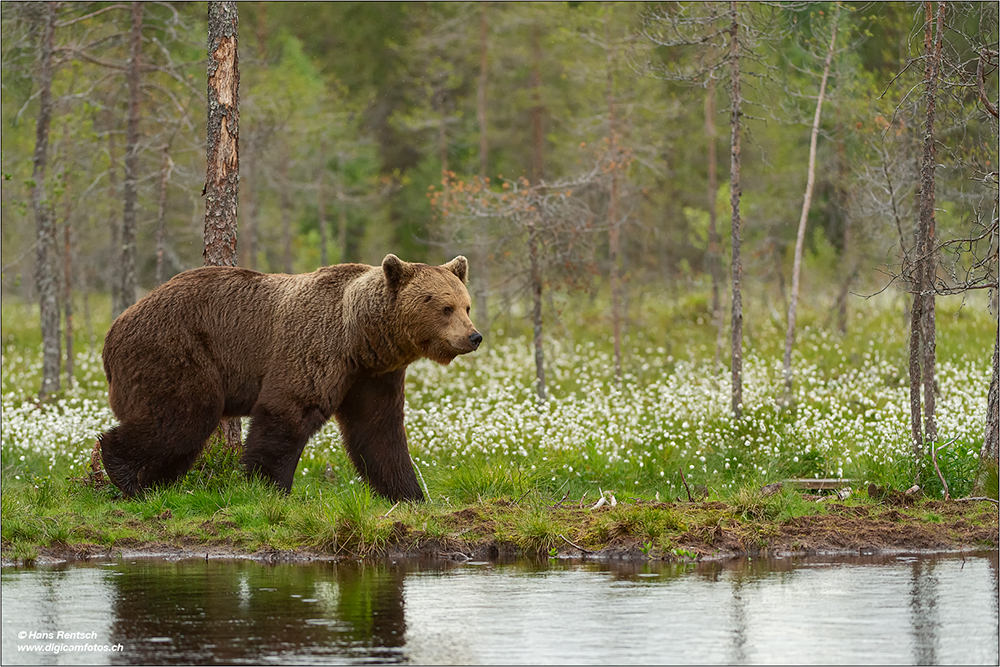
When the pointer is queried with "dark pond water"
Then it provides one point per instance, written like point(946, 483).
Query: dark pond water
point(904, 609)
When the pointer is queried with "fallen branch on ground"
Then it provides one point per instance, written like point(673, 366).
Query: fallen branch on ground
point(576, 546)
point(977, 499)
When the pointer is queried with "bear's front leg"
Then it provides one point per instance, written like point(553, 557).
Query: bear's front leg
point(279, 431)
point(371, 424)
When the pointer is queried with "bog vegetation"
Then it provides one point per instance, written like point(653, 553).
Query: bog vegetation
point(655, 326)
point(479, 437)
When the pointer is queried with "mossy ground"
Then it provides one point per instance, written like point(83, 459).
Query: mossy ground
point(252, 520)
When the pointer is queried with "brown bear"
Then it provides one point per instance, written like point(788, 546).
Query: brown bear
point(290, 351)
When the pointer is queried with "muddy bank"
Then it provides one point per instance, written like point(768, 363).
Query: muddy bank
point(938, 527)
point(701, 532)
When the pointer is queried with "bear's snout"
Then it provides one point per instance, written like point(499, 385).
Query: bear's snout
point(475, 338)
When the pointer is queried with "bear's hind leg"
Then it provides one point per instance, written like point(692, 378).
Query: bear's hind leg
point(122, 458)
point(137, 457)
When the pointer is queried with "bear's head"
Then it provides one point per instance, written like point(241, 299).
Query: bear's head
point(434, 305)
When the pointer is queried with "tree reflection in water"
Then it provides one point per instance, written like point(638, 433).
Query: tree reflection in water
point(846, 610)
point(231, 612)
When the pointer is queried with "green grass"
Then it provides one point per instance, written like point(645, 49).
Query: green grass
point(751, 505)
point(481, 441)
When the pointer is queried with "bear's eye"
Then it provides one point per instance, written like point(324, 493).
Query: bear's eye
point(467, 311)
point(448, 310)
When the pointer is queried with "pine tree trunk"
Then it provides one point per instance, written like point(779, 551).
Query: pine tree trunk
point(126, 294)
point(927, 226)
point(222, 185)
point(714, 243)
point(46, 273)
point(800, 238)
point(614, 232)
point(223, 172)
point(734, 198)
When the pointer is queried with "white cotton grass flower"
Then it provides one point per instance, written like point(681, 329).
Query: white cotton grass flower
point(672, 412)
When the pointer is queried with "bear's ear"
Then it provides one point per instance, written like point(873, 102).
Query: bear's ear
point(397, 272)
point(459, 266)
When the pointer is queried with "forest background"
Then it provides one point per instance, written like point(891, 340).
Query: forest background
point(350, 113)
point(368, 128)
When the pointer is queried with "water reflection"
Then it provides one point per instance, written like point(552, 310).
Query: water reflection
point(923, 588)
point(849, 611)
point(238, 612)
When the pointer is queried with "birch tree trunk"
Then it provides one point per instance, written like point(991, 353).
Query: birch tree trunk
point(800, 238)
point(126, 294)
point(734, 200)
point(46, 272)
point(222, 184)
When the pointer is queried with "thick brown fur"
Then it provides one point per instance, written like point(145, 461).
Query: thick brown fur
point(290, 351)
